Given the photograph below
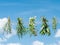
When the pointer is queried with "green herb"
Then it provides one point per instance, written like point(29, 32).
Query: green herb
point(7, 26)
point(54, 23)
point(21, 30)
point(45, 27)
point(32, 26)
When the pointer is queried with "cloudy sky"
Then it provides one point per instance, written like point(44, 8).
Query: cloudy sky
point(26, 9)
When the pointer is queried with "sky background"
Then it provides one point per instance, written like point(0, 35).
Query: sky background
point(26, 9)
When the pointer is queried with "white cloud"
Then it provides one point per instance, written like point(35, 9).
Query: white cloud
point(14, 44)
point(38, 43)
point(57, 33)
point(5, 37)
point(3, 21)
point(13, 32)
point(11, 44)
point(57, 43)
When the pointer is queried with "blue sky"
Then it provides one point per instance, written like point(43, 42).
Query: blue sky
point(26, 9)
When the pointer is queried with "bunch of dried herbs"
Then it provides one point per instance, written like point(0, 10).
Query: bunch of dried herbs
point(21, 30)
point(54, 23)
point(32, 26)
point(7, 27)
point(44, 28)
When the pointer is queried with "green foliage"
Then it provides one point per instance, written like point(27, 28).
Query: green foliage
point(7, 26)
point(54, 23)
point(32, 26)
point(45, 28)
point(21, 30)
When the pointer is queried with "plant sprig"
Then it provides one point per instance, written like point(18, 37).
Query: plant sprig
point(7, 27)
point(45, 28)
point(54, 23)
point(32, 26)
point(21, 30)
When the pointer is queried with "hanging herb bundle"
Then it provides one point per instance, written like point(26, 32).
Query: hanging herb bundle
point(21, 30)
point(45, 28)
point(54, 23)
point(7, 26)
point(32, 26)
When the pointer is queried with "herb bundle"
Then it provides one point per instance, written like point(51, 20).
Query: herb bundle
point(32, 26)
point(7, 27)
point(45, 28)
point(54, 23)
point(21, 30)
